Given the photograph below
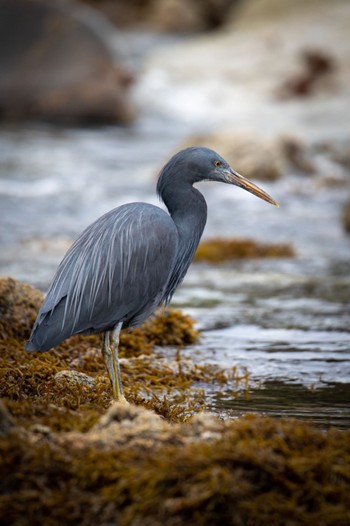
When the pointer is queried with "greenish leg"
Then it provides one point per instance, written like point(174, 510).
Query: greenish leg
point(110, 356)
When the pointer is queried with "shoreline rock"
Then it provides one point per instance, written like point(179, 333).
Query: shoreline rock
point(133, 467)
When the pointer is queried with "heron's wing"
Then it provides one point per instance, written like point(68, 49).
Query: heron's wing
point(117, 270)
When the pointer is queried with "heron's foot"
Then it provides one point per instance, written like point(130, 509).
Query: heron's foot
point(120, 400)
point(118, 393)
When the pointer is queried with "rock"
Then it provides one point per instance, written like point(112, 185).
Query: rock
point(189, 16)
point(134, 427)
point(55, 64)
point(297, 154)
point(74, 377)
point(19, 305)
point(134, 468)
point(178, 15)
point(40, 429)
point(126, 424)
point(168, 15)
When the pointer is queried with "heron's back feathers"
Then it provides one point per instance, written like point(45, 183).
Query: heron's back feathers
point(116, 271)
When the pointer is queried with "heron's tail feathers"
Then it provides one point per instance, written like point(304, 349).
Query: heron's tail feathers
point(43, 338)
point(30, 347)
point(48, 330)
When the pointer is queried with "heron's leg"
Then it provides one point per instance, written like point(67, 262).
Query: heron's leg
point(110, 356)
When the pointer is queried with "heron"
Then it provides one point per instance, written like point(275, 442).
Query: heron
point(132, 259)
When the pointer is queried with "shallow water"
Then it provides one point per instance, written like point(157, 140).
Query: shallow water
point(285, 322)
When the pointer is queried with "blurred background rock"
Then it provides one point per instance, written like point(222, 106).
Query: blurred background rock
point(56, 64)
point(167, 15)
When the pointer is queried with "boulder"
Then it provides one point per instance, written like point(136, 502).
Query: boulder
point(178, 16)
point(133, 467)
point(19, 304)
point(56, 65)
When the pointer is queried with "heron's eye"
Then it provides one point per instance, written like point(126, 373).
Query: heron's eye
point(217, 163)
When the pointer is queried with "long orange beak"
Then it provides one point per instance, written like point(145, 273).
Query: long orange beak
point(235, 178)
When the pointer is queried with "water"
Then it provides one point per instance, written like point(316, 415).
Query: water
point(285, 322)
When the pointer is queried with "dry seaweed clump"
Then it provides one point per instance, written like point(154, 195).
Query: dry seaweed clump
point(133, 467)
point(219, 250)
point(67, 388)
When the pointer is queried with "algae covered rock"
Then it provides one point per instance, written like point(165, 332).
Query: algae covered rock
point(19, 305)
point(67, 387)
point(132, 467)
point(75, 378)
point(220, 250)
point(69, 457)
point(171, 327)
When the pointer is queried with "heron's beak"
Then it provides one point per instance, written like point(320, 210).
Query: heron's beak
point(235, 178)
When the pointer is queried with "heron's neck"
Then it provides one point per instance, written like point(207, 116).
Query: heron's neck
point(189, 213)
point(188, 210)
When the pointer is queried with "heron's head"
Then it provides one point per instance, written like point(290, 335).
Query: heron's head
point(203, 164)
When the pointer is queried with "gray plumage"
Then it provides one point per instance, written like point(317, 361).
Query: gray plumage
point(105, 279)
point(132, 259)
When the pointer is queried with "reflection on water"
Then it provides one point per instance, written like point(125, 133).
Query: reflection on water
point(284, 321)
point(287, 324)
point(328, 405)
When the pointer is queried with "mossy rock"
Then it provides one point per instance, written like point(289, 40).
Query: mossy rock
point(67, 388)
point(219, 250)
point(133, 467)
point(19, 305)
point(67, 457)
